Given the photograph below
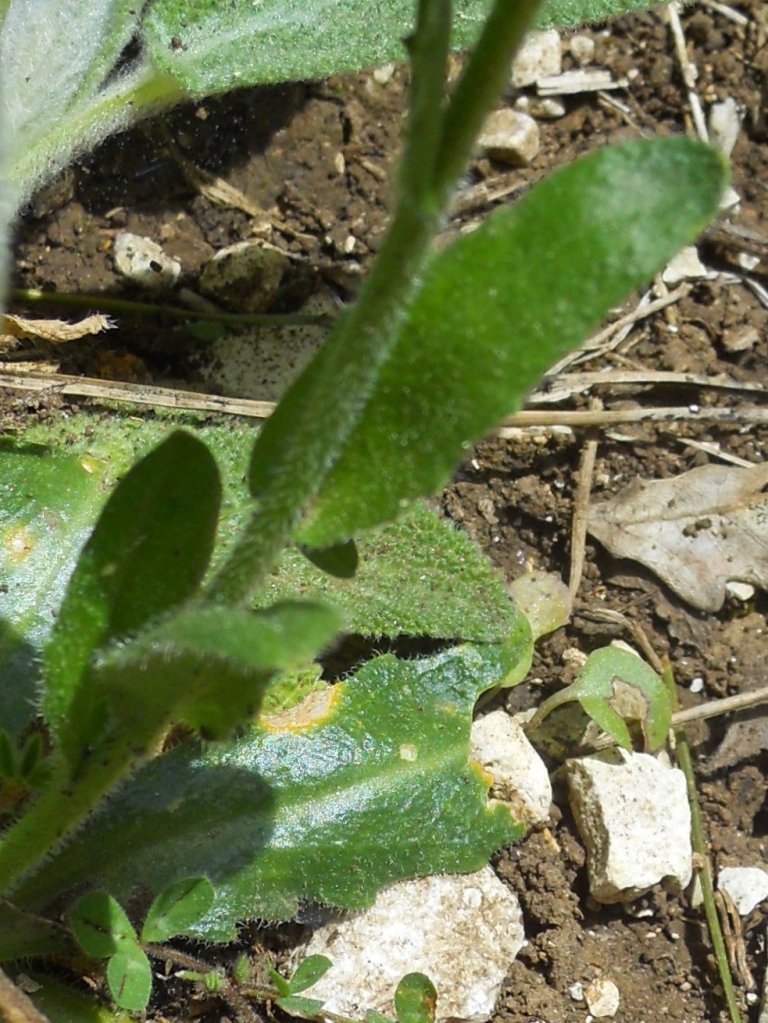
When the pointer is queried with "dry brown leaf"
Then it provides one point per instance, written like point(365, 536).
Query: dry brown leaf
point(56, 331)
point(696, 531)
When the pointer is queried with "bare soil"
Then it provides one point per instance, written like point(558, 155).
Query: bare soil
point(319, 156)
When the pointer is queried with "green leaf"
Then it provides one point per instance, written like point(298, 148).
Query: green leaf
point(207, 666)
point(281, 984)
point(308, 972)
point(556, 13)
point(419, 576)
point(177, 907)
point(50, 499)
point(415, 999)
point(56, 479)
point(129, 976)
point(8, 756)
point(496, 310)
point(213, 47)
point(601, 688)
point(224, 46)
point(54, 49)
point(298, 1006)
point(372, 1016)
point(147, 553)
point(63, 1003)
point(341, 560)
point(371, 786)
point(100, 925)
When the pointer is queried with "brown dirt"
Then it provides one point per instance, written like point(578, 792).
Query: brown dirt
point(282, 148)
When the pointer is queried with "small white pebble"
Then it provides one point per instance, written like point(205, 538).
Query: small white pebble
point(747, 886)
point(741, 591)
point(538, 57)
point(602, 997)
point(576, 991)
point(510, 137)
point(697, 684)
point(383, 74)
point(582, 49)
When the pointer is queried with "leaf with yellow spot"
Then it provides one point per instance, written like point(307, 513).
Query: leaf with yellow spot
point(364, 789)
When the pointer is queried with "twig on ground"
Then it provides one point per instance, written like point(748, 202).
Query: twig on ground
point(611, 336)
point(130, 308)
point(714, 450)
point(688, 71)
point(566, 385)
point(15, 1005)
point(716, 708)
point(757, 289)
point(191, 401)
point(727, 12)
point(581, 512)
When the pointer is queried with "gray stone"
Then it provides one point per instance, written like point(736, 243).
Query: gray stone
point(143, 261)
point(747, 886)
point(520, 776)
point(462, 932)
point(632, 812)
point(510, 136)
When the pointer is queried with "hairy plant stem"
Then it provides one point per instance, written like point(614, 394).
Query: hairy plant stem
point(300, 454)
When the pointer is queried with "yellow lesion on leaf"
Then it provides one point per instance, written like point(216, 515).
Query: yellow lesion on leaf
point(317, 708)
point(19, 542)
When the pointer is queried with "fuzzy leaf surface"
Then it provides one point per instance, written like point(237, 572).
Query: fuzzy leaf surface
point(371, 785)
point(176, 908)
point(100, 925)
point(129, 976)
point(496, 310)
point(419, 576)
point(207, 667)
point(308, 972)
point(212, 47)
point(56, 479)
point(148, 552)
point(415, 999)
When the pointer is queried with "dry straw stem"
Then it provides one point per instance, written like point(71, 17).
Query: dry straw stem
point(166, 397)
point(15, 1006)
point(688, 71)
point(581, 511)
point(611, 336)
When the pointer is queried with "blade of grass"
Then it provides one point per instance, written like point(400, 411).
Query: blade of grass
point(685, 762)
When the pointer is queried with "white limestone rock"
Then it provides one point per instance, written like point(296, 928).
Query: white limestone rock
point(520, 776)
point(602, 998)
point(724, 125)
point(461, 931)
point(510, 136)
point(686, 266)
point(582, 49)
point(747, 886)
point(263, 362)
point(633, 815)
point(539, 56)
point(144, 262)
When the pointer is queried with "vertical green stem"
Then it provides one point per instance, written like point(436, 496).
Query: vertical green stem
point(685, 762)
point(479, 87)
point(295, 451)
